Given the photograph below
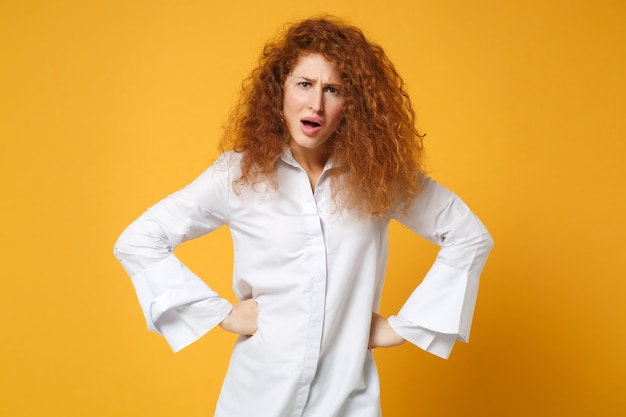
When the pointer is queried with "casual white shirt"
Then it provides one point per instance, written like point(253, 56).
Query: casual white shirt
point(317, 275)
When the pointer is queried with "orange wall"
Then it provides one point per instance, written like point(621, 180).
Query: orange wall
point(107, 106)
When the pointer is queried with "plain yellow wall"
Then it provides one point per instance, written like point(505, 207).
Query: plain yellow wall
point(107, 106)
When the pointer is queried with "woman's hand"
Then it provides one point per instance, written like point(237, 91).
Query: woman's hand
point(242, 319)
point(381, 333)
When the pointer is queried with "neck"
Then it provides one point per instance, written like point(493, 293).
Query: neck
point(309, 159)
point(312, 161)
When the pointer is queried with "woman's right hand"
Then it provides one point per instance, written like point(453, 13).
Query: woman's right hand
point(242, 319)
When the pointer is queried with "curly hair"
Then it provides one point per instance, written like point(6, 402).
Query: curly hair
point(376, 150)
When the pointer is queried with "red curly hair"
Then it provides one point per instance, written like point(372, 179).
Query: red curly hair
point(376, 150)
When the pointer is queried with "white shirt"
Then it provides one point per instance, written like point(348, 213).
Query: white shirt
point(316, 274)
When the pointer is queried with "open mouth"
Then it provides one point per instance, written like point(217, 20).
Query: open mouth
point(310, 123)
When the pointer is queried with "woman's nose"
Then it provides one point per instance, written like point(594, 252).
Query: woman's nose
point(317, 101)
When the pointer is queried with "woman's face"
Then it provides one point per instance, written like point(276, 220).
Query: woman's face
point(312, 102)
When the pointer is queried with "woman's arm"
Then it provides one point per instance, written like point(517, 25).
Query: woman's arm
point(176, 302)
point(440, 310)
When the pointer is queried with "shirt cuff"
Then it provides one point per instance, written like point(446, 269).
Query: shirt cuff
point(439, 344)
point(183, 325)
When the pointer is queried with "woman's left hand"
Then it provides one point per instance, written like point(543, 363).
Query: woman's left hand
point(381, 333)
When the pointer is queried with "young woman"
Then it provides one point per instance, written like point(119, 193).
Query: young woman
point(318, 157)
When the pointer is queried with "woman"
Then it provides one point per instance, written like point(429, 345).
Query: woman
point(320, 154)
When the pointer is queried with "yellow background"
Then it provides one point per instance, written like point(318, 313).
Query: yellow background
point(107, 106)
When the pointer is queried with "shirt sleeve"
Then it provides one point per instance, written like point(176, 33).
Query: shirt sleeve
point(440, 309)
point(175, 302)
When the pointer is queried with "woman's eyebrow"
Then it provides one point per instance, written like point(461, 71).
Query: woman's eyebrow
point(314, 80)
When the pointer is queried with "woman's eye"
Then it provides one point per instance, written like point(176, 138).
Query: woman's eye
point(332, 90)
point(304, 84)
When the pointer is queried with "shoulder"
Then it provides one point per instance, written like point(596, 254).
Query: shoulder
point(228, 160)
point(218, 174)
point(226, 166)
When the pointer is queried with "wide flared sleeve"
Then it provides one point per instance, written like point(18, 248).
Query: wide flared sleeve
point(175, 302)
point(440, 309)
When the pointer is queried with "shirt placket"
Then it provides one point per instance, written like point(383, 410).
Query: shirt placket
point(316, 259)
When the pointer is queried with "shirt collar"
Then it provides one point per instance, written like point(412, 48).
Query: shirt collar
point(287, 157)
